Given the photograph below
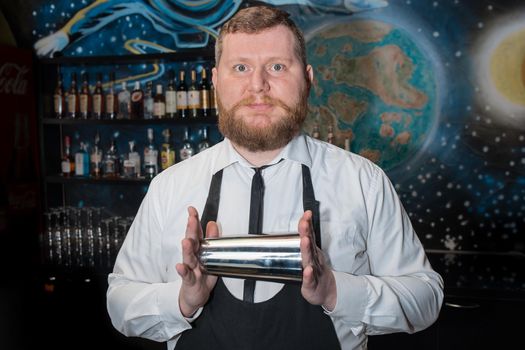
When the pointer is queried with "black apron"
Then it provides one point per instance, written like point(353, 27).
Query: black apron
point(286, 321)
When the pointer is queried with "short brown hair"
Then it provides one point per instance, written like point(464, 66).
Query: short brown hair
point(256, 19)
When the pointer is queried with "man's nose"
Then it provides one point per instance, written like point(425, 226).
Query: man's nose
point(259, 81)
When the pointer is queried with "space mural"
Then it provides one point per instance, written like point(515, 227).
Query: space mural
point(432, 91)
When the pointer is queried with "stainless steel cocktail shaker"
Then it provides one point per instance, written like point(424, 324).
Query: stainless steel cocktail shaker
point(271, 257)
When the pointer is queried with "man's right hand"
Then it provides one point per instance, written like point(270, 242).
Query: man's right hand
point(196, 285)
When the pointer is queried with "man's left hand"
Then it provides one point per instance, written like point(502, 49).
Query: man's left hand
point(318, 286)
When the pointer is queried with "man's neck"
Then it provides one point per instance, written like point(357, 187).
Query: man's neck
point(257, 159)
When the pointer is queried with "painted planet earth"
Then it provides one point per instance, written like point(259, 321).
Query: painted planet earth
point(375, 86)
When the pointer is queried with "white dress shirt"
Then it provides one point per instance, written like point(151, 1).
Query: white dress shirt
point(384, 281)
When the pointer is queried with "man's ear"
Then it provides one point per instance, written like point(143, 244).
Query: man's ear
point(310, 74)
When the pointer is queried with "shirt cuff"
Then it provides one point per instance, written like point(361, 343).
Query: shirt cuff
point(195, 315)
point(169, 310)
point(351, 297)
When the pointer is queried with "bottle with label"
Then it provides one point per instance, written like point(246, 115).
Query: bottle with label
point(85, 102)
point(111, 98)
point(135, 157)
point(72, 98)
point(131, 165)
point(96, 158)
point(330, 135)
point(151, 156)
point(59, 101)
point(98, 98)
point(82, 161)
point(194, 96)
point(137, 102)
point(111, 160)
point(214, 109)
point(182, 95)
point(205, 142)
point(315, 132)
point(124, 102)
point(187, 150)
point(159, 104)
point(204, 88)
point(167, 153)
point(171, 96)
point(148, 101)
point(68, 163)
point(347, 144)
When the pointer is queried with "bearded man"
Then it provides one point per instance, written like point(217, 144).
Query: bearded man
point(364, 269)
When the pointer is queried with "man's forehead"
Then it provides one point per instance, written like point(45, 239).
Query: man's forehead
point(276, 41)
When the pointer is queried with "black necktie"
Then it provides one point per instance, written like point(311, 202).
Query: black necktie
point(256, 222)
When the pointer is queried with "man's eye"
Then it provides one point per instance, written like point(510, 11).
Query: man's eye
point(240, 68)
point(277, 67)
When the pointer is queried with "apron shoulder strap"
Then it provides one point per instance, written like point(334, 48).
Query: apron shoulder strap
point(211, 208)
point(310, 203)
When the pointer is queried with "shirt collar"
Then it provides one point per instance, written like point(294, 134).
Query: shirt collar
point(296, 150)
point(227, 155)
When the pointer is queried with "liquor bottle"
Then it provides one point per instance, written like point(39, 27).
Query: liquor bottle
point(96, 158)
point(315, 132)
point(124, 101)
point(131, 165)
point(214, 109)
point(72, 98)
point(330, 135)
point(137, 102)
point(171, 96)
point(128, 166)
point(194, 97)
point(204, 88)
point(151, 156)
point(98, 98)
point(59, 102)
point(182, 95)
point(68, 163)
point(85, 98)
point(148, 101)
point(347, 144)
point(82, 161)
point(135, 157)
point(187, 150)
point(111, 160)
point(159, 104)
point(167, 153)
point(111, 99)
point(205, 142)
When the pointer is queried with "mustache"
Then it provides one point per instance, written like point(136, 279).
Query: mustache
point(265, 99)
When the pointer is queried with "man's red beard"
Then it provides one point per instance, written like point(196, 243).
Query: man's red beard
point(267, 138)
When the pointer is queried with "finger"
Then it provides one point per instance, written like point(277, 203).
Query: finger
point(309, 281)
point(212, 229)
point(304, 233)
point(306, 256)
point(193, 227)
point(188, 277)
point(305, 224)
point(188, 253)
